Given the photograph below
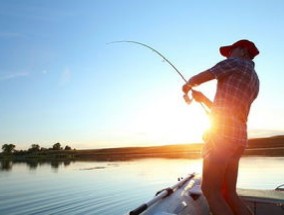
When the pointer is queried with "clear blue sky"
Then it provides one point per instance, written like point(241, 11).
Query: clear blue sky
point(61, 82)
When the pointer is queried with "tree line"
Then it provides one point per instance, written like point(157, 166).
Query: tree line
point(11, 148)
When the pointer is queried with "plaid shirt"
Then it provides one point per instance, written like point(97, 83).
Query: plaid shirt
point(237, 87)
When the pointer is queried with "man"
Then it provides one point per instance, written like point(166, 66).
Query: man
point(237, 87)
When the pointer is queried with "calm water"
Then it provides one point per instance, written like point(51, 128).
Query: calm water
point(110, 188)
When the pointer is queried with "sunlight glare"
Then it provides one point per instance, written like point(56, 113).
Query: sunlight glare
point(164, 123)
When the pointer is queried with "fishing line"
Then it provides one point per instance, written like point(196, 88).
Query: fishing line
point(186, 97)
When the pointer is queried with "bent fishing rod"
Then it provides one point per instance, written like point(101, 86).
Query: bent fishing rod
point(186, 97)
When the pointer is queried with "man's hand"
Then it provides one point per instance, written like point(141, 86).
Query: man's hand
point(186, 88)
point(198, 96)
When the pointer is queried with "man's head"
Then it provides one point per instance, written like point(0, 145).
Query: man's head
point(241, 48)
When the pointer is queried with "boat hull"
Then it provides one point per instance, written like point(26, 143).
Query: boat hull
point(187, 199)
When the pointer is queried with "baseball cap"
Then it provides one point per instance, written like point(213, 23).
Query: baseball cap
point(253, 51)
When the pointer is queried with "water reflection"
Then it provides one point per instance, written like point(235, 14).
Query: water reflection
point(109, 187)
point(7, 165)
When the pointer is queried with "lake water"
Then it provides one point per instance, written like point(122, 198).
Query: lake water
point(110, 188)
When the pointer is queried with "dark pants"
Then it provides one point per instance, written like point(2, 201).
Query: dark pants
point(220, 173)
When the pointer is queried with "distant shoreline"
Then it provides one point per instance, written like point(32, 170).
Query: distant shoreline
point(271, 146)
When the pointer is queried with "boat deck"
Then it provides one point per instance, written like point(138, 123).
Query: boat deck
point(263, 202)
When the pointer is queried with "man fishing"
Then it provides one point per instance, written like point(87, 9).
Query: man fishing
point(225, 142)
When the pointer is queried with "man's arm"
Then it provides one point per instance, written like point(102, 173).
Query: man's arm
point(200, 97)
point(197, 80)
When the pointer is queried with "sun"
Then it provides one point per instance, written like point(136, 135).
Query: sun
point(169, 123)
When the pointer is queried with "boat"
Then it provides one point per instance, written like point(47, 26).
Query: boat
point(186, 198)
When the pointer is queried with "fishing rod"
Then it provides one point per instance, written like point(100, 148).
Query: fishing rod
point(154, 50)
point(185, 96)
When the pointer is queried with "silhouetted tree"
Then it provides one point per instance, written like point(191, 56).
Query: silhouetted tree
point(8, 148)
point(67, 148)
point(56, 146)
point(34, 148)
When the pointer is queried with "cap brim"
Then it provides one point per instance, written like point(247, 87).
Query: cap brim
point(225, 50)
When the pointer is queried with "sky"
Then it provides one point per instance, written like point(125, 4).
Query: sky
point(61, 80)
